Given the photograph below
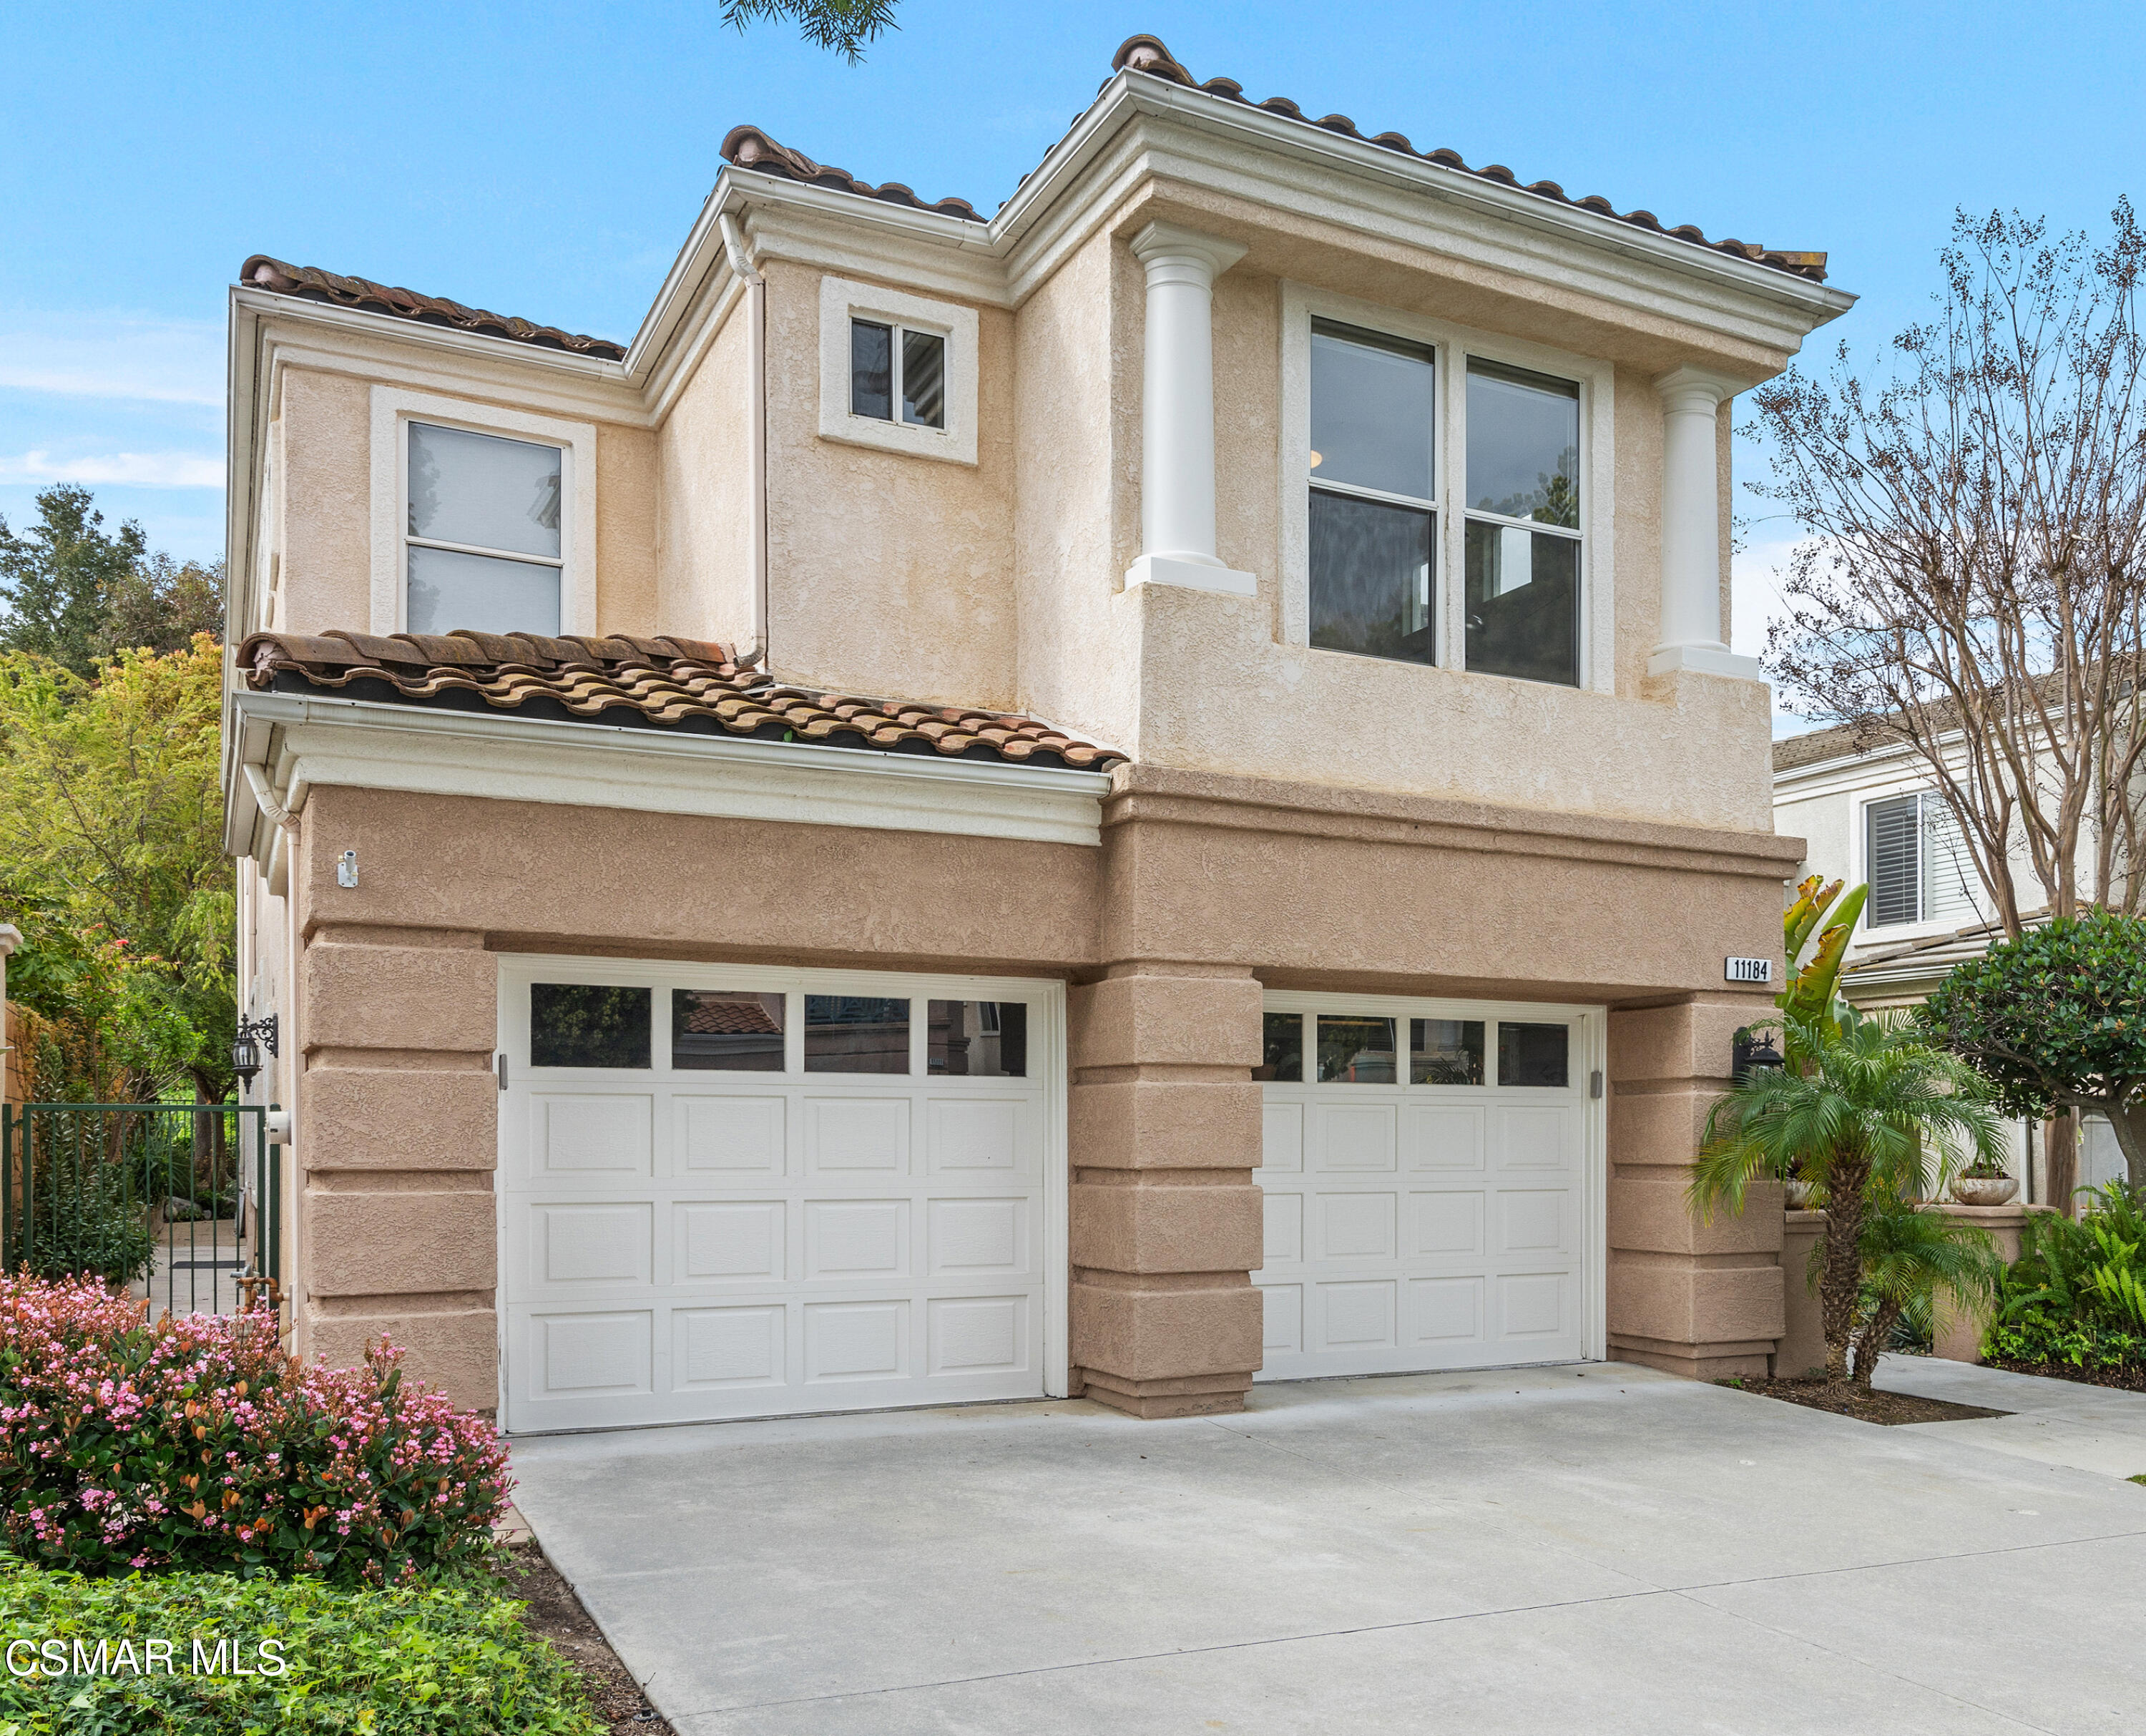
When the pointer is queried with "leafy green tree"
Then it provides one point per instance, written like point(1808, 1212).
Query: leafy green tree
point(59, 576)
point(1861, 1119)
point(2057, 1017)
point(844, 25)
point(112, 863)
point(1910, 1258)
point(159, 604)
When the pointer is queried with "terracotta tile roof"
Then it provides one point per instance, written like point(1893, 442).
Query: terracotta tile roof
point(751, 148)
point(681, 683)
point(314, 285)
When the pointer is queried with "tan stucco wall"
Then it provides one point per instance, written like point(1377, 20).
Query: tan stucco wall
point(707, 582)
point(1078, 637)
point(893, 573)
point(1205, 891)
point(327, 447)
point(627, 596)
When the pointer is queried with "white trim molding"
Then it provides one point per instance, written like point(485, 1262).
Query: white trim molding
point(1452, 346)
point(304, 742)
point(394, 408)
point(841, 300)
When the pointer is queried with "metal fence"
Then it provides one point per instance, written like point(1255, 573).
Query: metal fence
point(181, 1202)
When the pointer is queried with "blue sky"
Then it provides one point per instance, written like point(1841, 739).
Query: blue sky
point(547, 160)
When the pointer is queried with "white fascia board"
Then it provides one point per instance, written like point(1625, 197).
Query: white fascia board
point(368, 744)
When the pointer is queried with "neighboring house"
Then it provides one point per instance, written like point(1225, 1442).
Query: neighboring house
point(1874, 817)
point(1276, 926)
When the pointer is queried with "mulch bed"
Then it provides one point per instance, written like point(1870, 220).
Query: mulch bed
point(557, 1613)
point(1866, 1404)
point(2129, 1377)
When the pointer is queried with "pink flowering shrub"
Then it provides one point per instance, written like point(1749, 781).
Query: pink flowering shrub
point(193, 1442)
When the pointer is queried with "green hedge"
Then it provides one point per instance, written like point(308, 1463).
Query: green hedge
point(421, 1660)
point(2039, 1335)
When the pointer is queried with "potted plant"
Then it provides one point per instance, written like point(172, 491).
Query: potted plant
point(1801, 1190)
point(1984, 1182)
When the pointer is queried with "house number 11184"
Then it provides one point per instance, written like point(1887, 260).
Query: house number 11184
point(1750, 969)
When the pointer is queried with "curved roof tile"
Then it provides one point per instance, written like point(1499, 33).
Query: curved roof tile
point(310, 282)
point(690, 685)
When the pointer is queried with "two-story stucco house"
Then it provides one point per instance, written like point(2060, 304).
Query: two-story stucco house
point(1132, 797)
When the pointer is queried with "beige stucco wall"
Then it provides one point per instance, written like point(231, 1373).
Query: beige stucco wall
point(326, 443)
point(627, 592)
point(707, 582)
point(892, 572)
point(1078, 636)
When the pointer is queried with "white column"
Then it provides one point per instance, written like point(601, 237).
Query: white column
point(1177, 413)
point(1691, 529)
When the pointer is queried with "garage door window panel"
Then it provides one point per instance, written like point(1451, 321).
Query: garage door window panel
point(1534, 1055)
point(1282, 1042)
point(1445, 1051)
point(1355, 1050)
point(856, 1034)
point(727, 1031)
point(588, 1024)
point(977, 1039)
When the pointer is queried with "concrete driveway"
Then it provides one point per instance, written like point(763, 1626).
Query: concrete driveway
point(1571, 1550)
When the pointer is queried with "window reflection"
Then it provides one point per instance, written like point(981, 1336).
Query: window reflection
point(1533, 1054)
point(1282, 1043)
point(1445, 1051)
point(978, 1039)
point(856, 1034)
point(587, 1025)
point(1355, 1050)
point(727, 1031)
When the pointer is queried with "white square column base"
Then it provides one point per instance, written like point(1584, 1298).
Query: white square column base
point(1705, 660)
point(1193, 575)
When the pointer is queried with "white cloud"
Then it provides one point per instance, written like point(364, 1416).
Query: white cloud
point(139, 470)
point(113, 356)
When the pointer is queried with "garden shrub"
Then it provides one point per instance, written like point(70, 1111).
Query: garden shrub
point(2077, 1295)
point(90, 1223)
point(193, 1442)
point(417, 1660)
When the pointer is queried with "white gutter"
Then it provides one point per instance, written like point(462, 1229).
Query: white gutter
point(310, 740)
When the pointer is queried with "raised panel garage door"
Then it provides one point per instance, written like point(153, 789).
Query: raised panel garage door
point(1431, 1188)
point(744, 1193)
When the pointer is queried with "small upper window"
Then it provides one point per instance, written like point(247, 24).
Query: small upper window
point(892, 365)
point(1524, 537)
point(482, 548)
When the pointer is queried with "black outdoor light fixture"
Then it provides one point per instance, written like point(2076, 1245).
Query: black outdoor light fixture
point(1752, 1050)
point(253, 1034)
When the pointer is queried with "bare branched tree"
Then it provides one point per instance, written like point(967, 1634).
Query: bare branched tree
point(1972, 579)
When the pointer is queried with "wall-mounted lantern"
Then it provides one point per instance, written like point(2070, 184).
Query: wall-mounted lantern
point(254, 1035)
point(1752, 1048)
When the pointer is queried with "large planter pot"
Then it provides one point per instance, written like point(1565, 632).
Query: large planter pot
point(1984, 1190)
point(1799, 1192)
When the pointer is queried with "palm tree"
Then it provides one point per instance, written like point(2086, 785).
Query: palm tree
point(1910, 1259)
point(1861, 1116)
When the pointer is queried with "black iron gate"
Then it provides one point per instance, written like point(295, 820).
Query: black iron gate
point(180, 1202)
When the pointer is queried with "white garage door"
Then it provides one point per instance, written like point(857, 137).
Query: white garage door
point(731, 1193)
point(1430, 1175)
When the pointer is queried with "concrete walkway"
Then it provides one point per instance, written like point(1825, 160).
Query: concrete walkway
point(1598, 1549)
point(2057, 1422)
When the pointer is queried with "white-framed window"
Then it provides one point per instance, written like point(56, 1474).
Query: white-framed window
point(1917, 864)
point(1445, 495)
point(482, 518)
point(897, 371)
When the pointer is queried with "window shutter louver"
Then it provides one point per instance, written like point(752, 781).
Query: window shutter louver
point(1894, 856)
